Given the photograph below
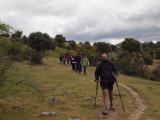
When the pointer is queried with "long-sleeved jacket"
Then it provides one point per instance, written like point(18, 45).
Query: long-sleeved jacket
point(105, 70)
point(78, 59)
point(84, 61)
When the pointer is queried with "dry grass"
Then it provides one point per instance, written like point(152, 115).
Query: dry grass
point(53, 79)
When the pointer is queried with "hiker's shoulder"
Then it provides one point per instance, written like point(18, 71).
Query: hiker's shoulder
point(112, 63)
point(99, 64)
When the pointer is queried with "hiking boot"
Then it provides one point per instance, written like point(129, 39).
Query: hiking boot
point(112, 108)
point(106, 111)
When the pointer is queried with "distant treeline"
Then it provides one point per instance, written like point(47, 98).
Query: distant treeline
point(131, 56)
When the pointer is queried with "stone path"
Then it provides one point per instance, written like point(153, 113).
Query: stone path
point(140, 105)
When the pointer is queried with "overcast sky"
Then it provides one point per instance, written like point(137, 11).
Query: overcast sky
point(85, 20)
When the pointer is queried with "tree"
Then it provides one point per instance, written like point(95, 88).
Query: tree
point(158, 44)
point(131, 64)
point(17, 34)
point(40, 42)
point(80, 43)
point(25, 39)
point(60, 40)
point(103, 47)
point(148, 60)
point(87, 43)
point(157, 53)
point(148, 47)
point(53, 47)
point(131, 45)
point(113, 47)
point(5, 30)
point(72, 45)
point(90, 52)
point(156, 74)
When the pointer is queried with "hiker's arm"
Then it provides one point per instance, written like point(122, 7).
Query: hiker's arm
point(82, 62)
point(115, 70)
point(87, 61)
point(97, 73)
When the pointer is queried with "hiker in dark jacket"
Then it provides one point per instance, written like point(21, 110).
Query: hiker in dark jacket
point(61, 59)
point(73, 62)
point(64, 59)
point(105, 73)
point(78, 63)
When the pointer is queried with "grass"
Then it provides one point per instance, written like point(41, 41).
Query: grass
point(150, 91)
point(58, 51)
point(58, 80)
point(23, 102)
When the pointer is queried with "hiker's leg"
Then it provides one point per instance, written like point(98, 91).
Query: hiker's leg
point(72, 66)
point(77, 67)
point(110, 90)
point(80, 68)
point(84, 70)
point(104, 97)
point(110, 97)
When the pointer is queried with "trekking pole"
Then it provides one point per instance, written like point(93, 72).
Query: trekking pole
point(120, 94)
point(96, 95)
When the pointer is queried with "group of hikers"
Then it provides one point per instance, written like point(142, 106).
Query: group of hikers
point(79, 62)
point(105, 75)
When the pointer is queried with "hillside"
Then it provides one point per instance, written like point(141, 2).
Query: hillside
point(26, 99)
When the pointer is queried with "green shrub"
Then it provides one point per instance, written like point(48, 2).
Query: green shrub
point(131, 45)
point(90, 52)
point(156, 74)
point(15, 50)
point(157, 53)
point(148, 60)
point(131, 64)
point(5, 64)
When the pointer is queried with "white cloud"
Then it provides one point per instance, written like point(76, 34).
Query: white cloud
point(83, 20)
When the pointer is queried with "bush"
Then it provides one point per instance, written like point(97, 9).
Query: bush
point(103, 47)
point(131, 64)
point(156, 74)
point(131, 45)
point(72, 45)
point(15, 50)
point(157, 53)
point(125, 65)
point(148, 60)
point(90, 52)
point(5, 64)
point(60, 41)
point(53, 47)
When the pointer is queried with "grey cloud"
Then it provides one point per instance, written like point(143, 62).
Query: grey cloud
point(85, 20)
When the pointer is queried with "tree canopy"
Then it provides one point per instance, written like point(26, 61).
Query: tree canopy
point(39, 41)
point(131, 45)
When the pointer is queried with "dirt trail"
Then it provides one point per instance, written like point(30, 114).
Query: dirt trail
point(140, 105)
